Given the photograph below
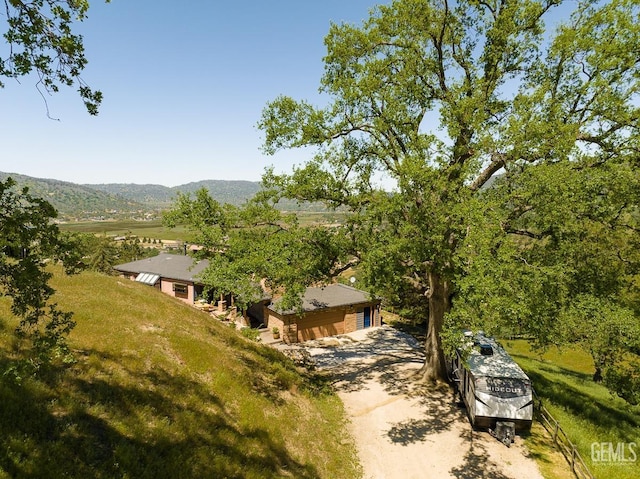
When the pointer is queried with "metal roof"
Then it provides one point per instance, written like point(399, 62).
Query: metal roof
point(173, 266)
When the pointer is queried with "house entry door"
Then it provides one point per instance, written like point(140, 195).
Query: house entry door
point(363, 318)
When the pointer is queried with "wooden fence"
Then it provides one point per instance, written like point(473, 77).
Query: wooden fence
point(565, 445)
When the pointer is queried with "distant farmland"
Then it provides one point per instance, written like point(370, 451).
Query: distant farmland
point(148, 229)
point(155, 229)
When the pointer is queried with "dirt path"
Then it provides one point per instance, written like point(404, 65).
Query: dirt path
point(403, 431)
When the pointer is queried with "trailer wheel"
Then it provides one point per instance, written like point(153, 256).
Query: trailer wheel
point(508, 439)
point(504, 432)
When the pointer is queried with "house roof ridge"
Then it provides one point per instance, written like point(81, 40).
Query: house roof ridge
point(330, 285)
point(348, 286)
point(167, 265)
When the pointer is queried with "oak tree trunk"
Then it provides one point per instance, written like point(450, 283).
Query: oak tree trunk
point(434, 368)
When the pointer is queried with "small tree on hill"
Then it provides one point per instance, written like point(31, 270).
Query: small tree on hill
point(28, 239)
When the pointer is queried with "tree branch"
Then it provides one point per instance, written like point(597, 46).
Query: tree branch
point(498, 160)
point(529, 234)
point(351, 264)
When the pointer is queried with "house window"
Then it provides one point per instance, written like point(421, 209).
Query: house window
point(181, 290)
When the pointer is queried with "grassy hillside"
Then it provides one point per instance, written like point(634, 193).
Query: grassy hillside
point(161, 390)
point(235, 192)
point(587, 411)
point(71, 199)
point(120, 200)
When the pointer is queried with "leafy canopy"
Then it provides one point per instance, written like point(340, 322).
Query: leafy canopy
point(488, 166)
point(256, 247)
point(40, 40)
point(28, 239)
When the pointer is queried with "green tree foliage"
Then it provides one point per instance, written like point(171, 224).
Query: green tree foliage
point(101, 253)
point(438, 98)
point(102, 257)
point(255, 246)
point(610, 333)
point(28, 239)
point(513, 157)
point(567, 272)
point(40, 40)
point(131, 250)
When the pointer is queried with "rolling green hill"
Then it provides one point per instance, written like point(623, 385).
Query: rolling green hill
point(587, 411)
point(128, 200)
point(234, 192)
point(74, 200)
point(223, 191)
point(161, 390)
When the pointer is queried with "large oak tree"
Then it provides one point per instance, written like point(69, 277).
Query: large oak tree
point(441, 97)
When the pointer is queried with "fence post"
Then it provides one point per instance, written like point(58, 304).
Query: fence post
point(583, 471)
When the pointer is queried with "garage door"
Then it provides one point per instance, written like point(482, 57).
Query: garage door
point(319, 325)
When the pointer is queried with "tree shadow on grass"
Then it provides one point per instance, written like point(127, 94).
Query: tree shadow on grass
point(545, 365)
point(155, 425)
point(579, 403)
point(586, 407)
point(273, 372)
point(541, 445)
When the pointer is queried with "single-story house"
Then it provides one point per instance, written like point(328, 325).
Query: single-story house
point(326, 311)
point(172, 274)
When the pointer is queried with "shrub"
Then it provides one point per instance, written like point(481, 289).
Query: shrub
point(250, 333)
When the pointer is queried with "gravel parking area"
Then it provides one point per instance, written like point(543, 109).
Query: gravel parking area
point(405, 430)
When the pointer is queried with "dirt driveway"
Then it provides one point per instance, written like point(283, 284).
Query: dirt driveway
point(405, 431)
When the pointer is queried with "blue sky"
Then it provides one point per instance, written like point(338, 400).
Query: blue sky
point(184, 86)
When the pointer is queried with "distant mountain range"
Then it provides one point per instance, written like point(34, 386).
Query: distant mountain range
point(234, 192)
point(113, 200)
